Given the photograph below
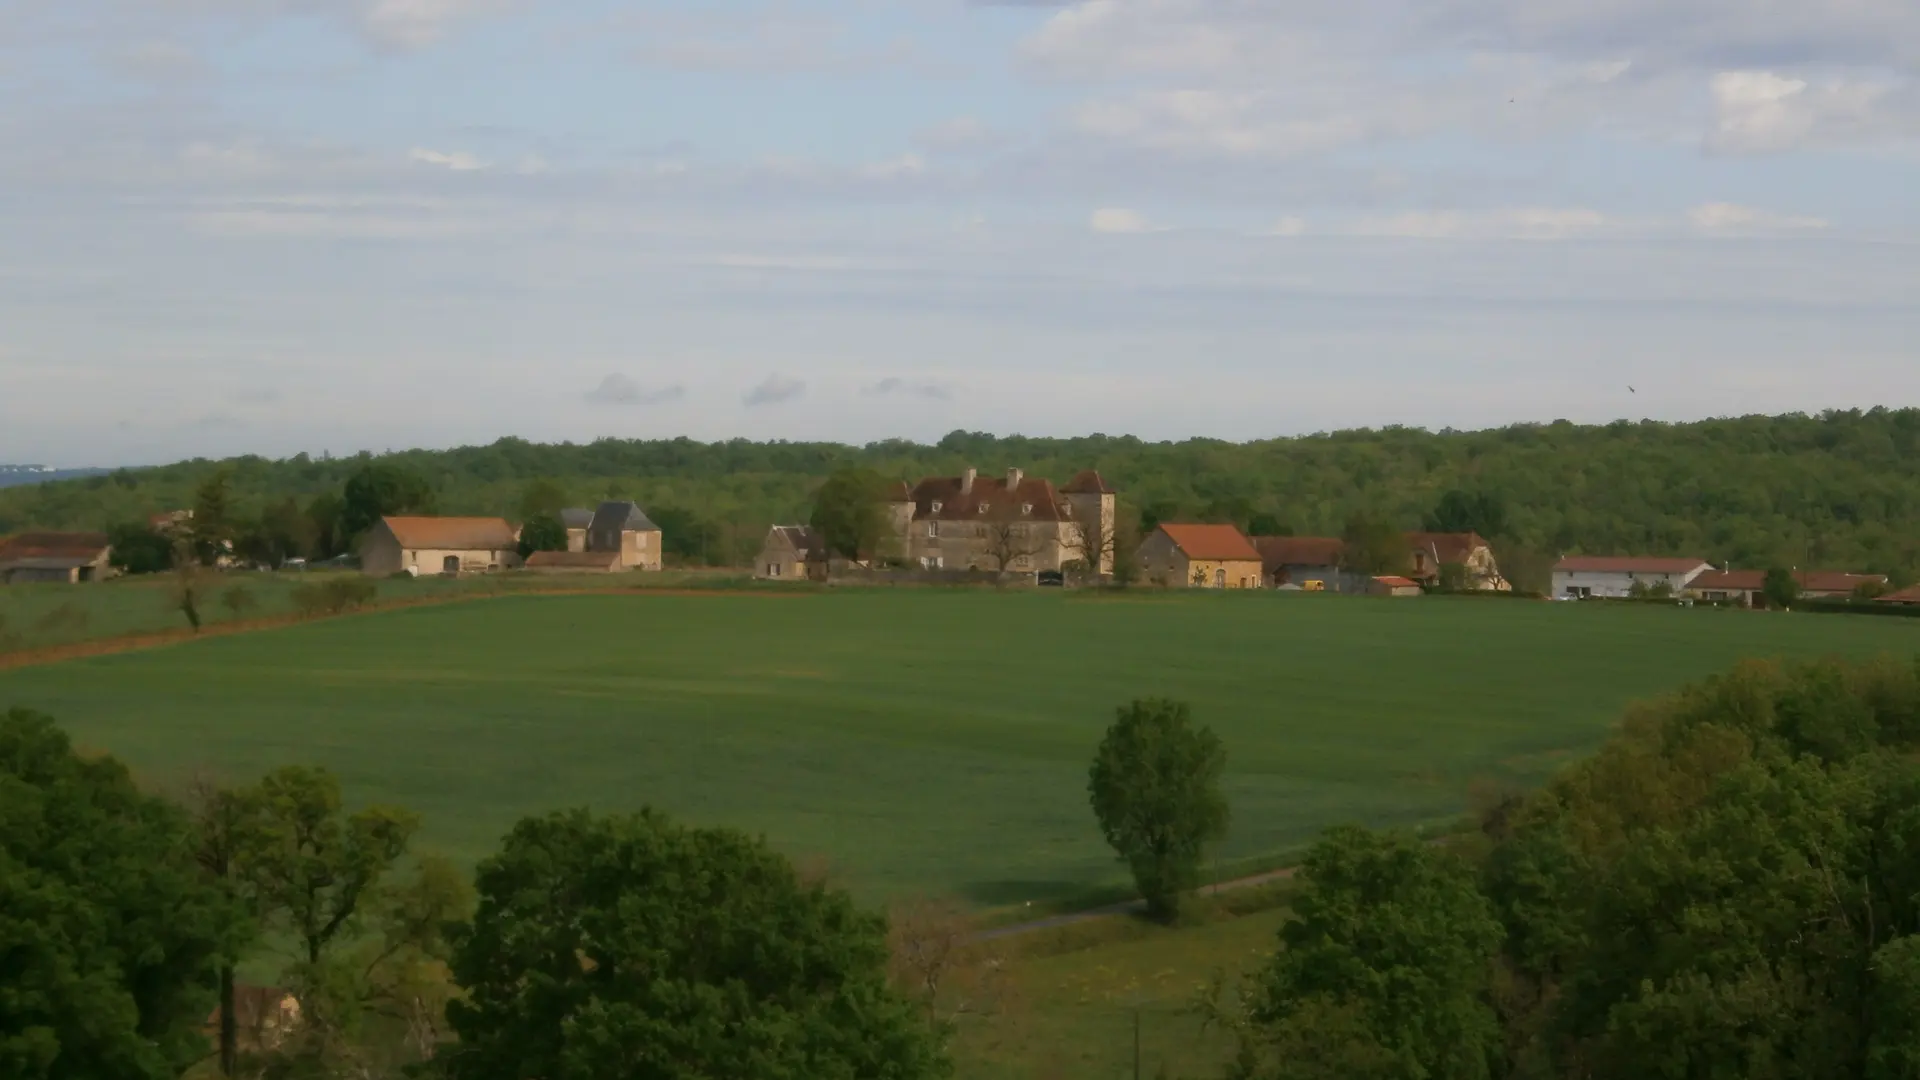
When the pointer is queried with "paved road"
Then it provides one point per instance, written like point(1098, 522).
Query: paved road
point(1131, 907)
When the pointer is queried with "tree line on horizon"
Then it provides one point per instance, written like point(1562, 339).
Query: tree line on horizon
point(1839, 490)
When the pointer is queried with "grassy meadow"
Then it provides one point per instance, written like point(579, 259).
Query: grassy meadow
point(916, 741)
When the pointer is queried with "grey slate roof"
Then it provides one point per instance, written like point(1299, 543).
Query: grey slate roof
point(622, 516)
point(576, 518)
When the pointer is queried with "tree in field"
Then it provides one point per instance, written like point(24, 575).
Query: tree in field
point(1780, 588)
point(377, 490)
point(1373, 546)
point(1385, 970)
point(1459, 512)
point(215, 522)
point(849, 512)
point(138, 549)
point(622, 947)
point(1155, 789)
point(542, 534)
point(326, 514)
point(189, 582)
point(111, 938)
point(367, 934)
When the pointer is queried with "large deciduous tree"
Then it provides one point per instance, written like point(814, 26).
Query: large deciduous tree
point(1155, 789)
point(849, 513)
point(542, 534)
point(1374, 546)
point(1385, 971)
point(1477, 512)
point(376, 490)
point(110, 938)
point(615, 948)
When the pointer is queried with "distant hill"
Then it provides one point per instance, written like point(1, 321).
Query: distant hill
point(1840, 490)
point(15, 475)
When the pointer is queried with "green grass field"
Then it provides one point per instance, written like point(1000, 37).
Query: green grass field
point(916, 740)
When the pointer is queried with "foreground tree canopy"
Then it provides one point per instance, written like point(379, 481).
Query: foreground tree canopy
point(632, 948)
point(110, 938)
point(1730, 888)
point(1155, 790)
point(1838, 490)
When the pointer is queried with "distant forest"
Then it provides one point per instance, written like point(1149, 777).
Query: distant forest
point(1840, 490)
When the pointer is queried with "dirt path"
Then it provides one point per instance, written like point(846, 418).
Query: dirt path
point(1130, 907)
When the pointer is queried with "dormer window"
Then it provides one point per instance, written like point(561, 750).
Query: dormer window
point(983, 508)
point(936, 506)
point(1026, 508)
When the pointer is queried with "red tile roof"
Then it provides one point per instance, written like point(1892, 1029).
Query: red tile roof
point(1908, 595)
point(1221, 543)
point(1278, 551)
point(1626, 564)
point(1086, 482)
point(1811, 581)
point(1393, 582)
point(992, 492)
point(53, 545)
point(453, 533)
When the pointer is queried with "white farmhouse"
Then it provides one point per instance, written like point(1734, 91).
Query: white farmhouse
point(1581, 576)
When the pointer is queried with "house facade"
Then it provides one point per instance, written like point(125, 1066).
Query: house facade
point(624, 528)
point(1579, 577)
point(1432, 553)
point(1747, 588)
point(1201, 557)
point(577, 522)
point(68, 558)
point(1014, 523)
point(788, 552)
point(439, 545)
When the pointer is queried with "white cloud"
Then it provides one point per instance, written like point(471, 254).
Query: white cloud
point(413, 24)
point(773, 390)
point(1723, 218)
point(458, 161)
point(617, 389)
point(1287, 226)
point(1118, 220)
point(1761, 111)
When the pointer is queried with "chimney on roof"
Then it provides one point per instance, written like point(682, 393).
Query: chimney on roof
point(966, 481)
point(1013, 479)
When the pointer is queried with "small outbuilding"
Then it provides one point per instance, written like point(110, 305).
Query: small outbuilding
point(1748, 588)
point(574, 562)
point(1391, 585)
point(64, 557)
point(439, 545)
point(788, 553)
point(577, 521)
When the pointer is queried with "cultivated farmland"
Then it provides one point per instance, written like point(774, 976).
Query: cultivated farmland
point(916, 740)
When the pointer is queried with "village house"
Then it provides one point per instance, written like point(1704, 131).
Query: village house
point(1300, 561)
point(55, 557)
point(1432, 553)
point(1019, 523)
point(1908, 595)
point(439, 545)
point(1747, 588)
point(1580, 577)
point(1201, 556)
point(789, 553)
point(621, 526)
point(574, 562)
point(577, 522)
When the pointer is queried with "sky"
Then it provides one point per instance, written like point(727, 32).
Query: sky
point(273, 226)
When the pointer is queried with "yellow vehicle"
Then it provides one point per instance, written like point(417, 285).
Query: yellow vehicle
point(1313, 586)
